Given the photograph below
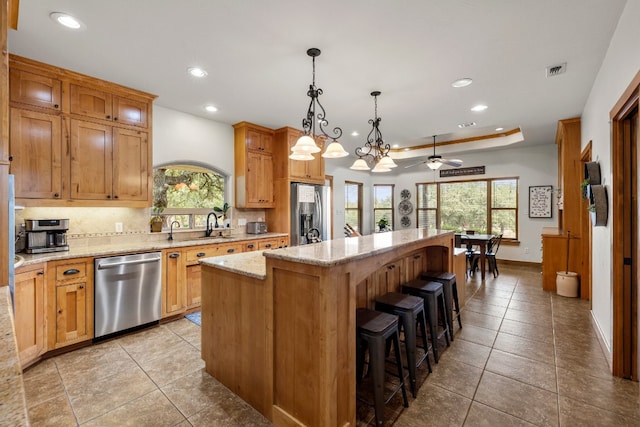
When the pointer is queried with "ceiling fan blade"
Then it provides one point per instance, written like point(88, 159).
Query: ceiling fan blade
point(456, 163)
point(416, 164)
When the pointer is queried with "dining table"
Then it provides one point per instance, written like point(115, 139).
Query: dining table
point(482, 241)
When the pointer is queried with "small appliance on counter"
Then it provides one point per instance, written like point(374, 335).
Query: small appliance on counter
point(46, 235)
point(256, 227)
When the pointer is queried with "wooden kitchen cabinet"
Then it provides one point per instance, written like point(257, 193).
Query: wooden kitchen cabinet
point(104, 105)
point(29, 300)
point(416, 264)
point(36, 153)
point(36, 90)
point(253, 149)
point(93, 146)
point(310, 171)
point(69, 302)
point(174, 283)
point(390, 277)
point(116, 166)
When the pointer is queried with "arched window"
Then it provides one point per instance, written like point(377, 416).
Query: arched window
point(187, 193)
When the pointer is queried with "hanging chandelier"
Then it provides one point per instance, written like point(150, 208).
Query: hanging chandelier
point(375, 151)
point(306, 144)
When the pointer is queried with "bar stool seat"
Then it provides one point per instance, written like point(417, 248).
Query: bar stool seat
point(433, 296)
point(374, 329)
point(450, 288)
point(410, 310)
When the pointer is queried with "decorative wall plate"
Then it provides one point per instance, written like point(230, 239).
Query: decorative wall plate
point(405, 194)
point(405, 207)
point(405, 221)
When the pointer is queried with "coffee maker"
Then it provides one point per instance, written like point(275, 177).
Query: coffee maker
point(46, 235)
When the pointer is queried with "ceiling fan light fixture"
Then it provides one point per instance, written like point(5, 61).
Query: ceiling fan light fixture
point(360, 165)
point(335, 150)
point(434, 165)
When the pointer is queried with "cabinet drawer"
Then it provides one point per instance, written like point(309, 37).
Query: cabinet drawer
point(71, 271)
point(193, 255)
point(267, 244)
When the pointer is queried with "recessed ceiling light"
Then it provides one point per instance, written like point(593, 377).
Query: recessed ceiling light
point(197, 72)
point(466, 81)
point(211, 108)
point(67, 20)
point(354, 133)
point(499, 129)
point(479, 107)
point(395, 146)
point(466, 125)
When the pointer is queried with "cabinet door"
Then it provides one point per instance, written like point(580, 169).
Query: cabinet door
point(91, 102)
point(131, 167)
point(306, 170)
point(174, 298)
point(259, 179)
point(416, 265)
point(130, 112)
point(29, 315)
point(259, 141)
point(34, 89)
point(194, 284)
point(91, 161)
point(72, 315)
point(389, 278)
point(36, 151)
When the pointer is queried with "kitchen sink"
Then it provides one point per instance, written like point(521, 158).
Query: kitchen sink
point(18, 260)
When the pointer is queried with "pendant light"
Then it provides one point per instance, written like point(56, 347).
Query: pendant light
point(306, 145)
point(374, 150)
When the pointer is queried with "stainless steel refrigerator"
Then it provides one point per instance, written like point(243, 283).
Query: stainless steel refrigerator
point(310, 217)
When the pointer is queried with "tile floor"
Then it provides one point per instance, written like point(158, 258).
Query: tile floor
point(523, 357)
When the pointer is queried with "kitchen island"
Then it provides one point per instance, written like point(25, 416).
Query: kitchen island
point(278, 327)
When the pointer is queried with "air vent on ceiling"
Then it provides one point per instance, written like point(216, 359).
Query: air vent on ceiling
point(554, 70)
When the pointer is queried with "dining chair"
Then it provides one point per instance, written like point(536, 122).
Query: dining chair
point(471, 253)
point(490, 255)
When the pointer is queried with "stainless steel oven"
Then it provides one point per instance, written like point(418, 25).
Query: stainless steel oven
point(128, 292)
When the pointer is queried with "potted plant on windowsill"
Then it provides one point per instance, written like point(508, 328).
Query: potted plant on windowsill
point(157, 220)
point(223, 211)
point(383, 223)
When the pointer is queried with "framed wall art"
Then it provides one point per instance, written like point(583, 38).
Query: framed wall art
point(540, 201)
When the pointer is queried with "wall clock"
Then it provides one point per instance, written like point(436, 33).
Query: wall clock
point(405, 207)
point(405, 194)
point(405, 221)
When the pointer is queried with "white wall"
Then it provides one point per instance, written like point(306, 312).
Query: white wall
point(532, 165)
point(620, 65)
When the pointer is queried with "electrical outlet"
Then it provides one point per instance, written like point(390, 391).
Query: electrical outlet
point(526, 250)
point(118, 227)
point(242, 221)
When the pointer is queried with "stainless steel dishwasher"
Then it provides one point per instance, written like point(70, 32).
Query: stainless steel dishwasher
point(128, 292)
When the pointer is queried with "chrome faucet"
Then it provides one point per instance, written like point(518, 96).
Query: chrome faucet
point(209, 230)
point(171, 229)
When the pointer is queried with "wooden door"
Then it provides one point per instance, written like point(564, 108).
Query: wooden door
point(91, 102)
point(91, 161)
point(128, 111)
point(131, 169)
point(174, 298)
point(29, 314)
point(71, 313)
point(36, 151)
point(34, 89)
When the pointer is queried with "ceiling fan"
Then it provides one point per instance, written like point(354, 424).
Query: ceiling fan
point(435, 161)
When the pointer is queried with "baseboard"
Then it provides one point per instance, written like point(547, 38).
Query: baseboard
point(520, 263)
point(606, 351)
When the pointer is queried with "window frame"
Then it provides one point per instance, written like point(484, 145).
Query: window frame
point(390, 209)
point(489, 208)
point(359, 208)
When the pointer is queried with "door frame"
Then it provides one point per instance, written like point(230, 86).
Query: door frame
point(585, 232)
point(621, 110)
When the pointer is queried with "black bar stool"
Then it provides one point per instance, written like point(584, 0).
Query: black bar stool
point(410, 309)
point(374, 329)
point(433, 295)
point(450, 288)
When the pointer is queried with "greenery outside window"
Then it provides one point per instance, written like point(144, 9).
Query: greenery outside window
point(486, 206)
point(188, 193)
point(383, 203)
point(353, 204)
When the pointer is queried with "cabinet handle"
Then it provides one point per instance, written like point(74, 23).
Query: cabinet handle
point(40, 273)
point(108, 117)
point(81, 287)
point(60, 311)
point(417, 257)
point(11, 158)
point(250, 246)
point(174, 255)
point(71, 271)
point(56, 195)
point(56, 106)
point(200, 254)
point(108, 196)
point(230, 251)
point(115, 197)
point(268, 245)
point(115, 118)
point(391, 267)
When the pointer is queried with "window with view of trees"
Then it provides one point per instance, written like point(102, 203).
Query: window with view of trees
point(353, 204)
point(486, 206)
point(187, 193)
point(383, 203)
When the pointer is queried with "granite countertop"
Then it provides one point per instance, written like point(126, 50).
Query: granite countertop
point(137, 245)
point(327, 254)
point(13, 407)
